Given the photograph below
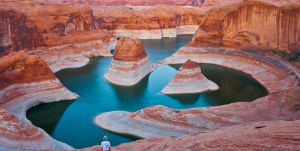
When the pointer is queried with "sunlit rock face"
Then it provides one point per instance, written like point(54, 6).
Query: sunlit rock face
point(253, 136)
point(130, 63)
point(30, 24)
point(189, 80)
point(26, 80)
point(252, 24)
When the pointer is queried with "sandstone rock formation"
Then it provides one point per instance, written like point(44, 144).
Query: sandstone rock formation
point(188, 80)
point(130, 63)
point(160, 121)
point(149, 22)
point(253, 24)
point(61, 34)
point(271, 135)
point(25, 80)
point(30, 24)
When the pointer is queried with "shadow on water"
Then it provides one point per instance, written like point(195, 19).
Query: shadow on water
point(234, 86)
point(186, 99)
point(128, 92)
point(87, 69)
point(51, 116)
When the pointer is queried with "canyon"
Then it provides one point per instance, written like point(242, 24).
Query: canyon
point(41, 37)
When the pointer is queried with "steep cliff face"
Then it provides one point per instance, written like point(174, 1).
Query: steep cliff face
point(147, 18)
point(130, 63)
point(30, 24)
point(251, 24)
point(137, 2)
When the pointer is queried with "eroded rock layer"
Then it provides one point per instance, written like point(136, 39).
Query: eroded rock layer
point(26, 80)
point(129, 64)
point(271, 135)
point(253, 24)
point(274, 74)
point(188, 80)
point(158, 121)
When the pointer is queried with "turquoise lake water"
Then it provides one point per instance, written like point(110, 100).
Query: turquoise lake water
point(72, 121)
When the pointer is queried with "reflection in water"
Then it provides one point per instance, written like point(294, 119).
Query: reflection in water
point(234, 86)
point(186, 98)
point(129, 92)
point(51, 116)
point(98, 96)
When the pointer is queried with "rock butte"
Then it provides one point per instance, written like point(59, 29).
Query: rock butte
point(65, 35)
point(130, 63)
point(189, 80)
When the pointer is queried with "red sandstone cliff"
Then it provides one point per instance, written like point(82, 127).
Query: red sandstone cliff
point(30, 24)
point(251, 24)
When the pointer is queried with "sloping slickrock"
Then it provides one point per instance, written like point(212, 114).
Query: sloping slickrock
point(26, 80)
point(188, 80)
point(130, 63)
point(145, 123)
point(263, 136)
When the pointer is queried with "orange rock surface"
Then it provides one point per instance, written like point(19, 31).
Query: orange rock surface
point(20, 67)
point(30, 24)
point(129, 49)
point(251, 24)
point(26, 80)
point(275, 135)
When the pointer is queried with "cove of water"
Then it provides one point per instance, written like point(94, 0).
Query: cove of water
point(72, 121)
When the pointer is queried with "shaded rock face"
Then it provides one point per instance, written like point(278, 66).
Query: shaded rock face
point(251, 24)
point(30, 24)
point(272, 135)
point(189, 80)
point(129, 64)
point(26, 80)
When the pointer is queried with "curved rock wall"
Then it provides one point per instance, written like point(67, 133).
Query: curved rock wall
point(25, 80)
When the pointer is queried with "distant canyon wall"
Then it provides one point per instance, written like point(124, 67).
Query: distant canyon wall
point(251, 24)
point(266, 24)
point(29, 25)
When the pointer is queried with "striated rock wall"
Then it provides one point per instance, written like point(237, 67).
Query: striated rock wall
point(25, 80)
point(189, 80)
point(130, 63)
point(251, 24)
point(31, 24)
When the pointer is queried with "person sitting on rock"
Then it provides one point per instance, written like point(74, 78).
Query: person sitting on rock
point(105, 144)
